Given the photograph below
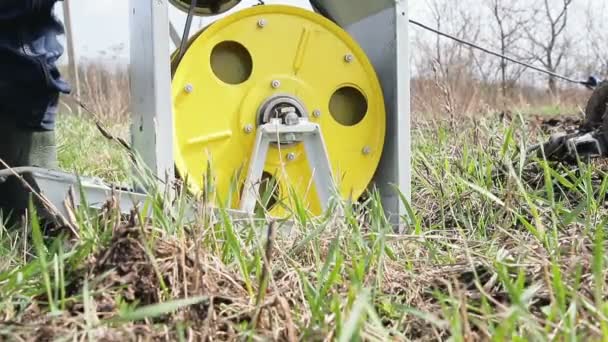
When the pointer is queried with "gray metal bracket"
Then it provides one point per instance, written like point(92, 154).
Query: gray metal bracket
point(64, 192)
point(316, 153)
point(586, 145)
point(57, 188)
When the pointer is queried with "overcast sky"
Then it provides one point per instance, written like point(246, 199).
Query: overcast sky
point(101, 27)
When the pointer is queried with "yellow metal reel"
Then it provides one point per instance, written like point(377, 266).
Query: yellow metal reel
point(234, 65)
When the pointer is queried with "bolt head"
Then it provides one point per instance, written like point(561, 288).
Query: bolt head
point(290, 137)
point(348, 58)
point(275, 84)
point(248, 129)
point(292, 119)
point(366, 150)
point(189, 88)
point(262, 23)
point(316, 113)
point(291, 156)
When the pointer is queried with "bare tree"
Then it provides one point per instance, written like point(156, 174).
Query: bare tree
point(456, 18)
point(548, 41)
point(509, 19)
point(446, 66)
point(596, 37)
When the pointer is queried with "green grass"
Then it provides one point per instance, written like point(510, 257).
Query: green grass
point(497, 248)
point(83, 150)
point(549, 110)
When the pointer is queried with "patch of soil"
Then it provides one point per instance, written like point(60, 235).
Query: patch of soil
point(145, 266)
point(554, 124)
point(133, 271)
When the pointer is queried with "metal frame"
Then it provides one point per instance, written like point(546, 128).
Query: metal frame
point(380, 27)
point(150, 70)
point(63, 192)
point(60, 188)
point(276, 132)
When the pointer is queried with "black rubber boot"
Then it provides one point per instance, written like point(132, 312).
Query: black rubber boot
point(22, 147)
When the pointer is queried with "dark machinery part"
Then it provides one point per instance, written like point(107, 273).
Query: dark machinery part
point(206, 7)
point(591, 139)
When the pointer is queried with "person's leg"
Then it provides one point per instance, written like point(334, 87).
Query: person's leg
point(22, 145)
point(30, 85)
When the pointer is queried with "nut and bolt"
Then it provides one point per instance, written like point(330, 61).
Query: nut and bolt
point(275, 84)
point(316, 113)
point(290, 137)
point(366, 150)
point(348, 58)
point(262, 23)
point(248, 128)
point(291, 156)
point(188, 88)
point(292, 119)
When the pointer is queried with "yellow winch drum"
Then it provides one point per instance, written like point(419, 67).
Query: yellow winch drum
point(243, 70)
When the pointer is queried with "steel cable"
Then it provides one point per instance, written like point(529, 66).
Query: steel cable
point(496, 54)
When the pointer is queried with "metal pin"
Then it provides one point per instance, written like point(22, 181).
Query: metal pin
point(291, 156)
point(348, 58)
point(188, 88)
point(275, 84)
point(366, 150)
point(262, 23)
point(316, 113)
point(248, 129)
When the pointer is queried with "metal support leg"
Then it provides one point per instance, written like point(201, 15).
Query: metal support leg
point(318, 159)
point(256, 170)
point(275, 132)
point(151, 108)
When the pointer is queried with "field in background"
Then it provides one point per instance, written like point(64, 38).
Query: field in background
point(435, 94)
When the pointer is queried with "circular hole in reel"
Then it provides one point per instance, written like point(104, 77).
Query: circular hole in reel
point(348, 106)
point(231, 62)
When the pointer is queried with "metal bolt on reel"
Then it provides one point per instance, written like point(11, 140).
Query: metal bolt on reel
point(250, 79)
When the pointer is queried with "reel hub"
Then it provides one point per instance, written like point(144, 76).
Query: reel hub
point(284, 107)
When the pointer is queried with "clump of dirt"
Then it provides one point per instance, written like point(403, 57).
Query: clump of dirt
point(129, 266)
point(561, 123)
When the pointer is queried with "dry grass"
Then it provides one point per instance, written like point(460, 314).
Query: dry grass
point(436, 94)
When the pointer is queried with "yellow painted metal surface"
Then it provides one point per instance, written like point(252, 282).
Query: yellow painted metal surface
point(228, 72)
